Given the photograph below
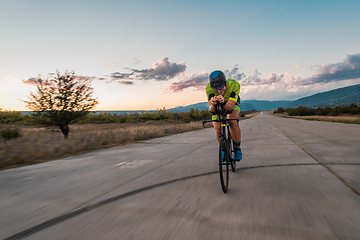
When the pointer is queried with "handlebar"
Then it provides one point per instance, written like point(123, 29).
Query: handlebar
point(219, 120)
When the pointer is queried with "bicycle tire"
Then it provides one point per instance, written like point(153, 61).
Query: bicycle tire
point(232, 152)
point(224, 166)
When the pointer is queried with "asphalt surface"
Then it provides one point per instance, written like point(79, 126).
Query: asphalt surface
point(298, 180)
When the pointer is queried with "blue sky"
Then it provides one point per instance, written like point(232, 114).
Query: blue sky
point(155, 54)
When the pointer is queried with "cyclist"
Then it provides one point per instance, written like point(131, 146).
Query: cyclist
point(224, 91)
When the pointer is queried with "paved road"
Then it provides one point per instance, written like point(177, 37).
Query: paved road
point(298, 180)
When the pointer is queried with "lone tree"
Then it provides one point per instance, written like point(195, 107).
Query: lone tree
point(61, 99)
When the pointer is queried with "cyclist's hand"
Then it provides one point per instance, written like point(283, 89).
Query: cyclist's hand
point(213, 100)
point(220, 99)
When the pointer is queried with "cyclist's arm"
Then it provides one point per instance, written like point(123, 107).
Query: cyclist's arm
point(211, 102)
point(212, 108)
point(229, 105)
point(233, 97)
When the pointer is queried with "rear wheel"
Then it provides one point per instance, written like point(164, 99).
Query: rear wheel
point(224, 166)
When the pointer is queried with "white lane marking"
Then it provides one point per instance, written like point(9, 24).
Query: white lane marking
point(119, 164)
point(132, 164)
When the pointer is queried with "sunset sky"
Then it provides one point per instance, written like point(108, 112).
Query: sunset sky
point(144, 55)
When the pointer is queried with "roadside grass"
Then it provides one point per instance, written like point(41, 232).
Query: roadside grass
point(250, 115)
point(38, 145)
point(351, 119)
point(42, 144)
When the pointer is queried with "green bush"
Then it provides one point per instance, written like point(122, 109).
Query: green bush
point(10, 133)
point(279, 110)
point(10, 117)
point(327, 111)
point(186, 119)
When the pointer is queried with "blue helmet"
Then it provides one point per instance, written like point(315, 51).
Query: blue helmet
point(217, 80)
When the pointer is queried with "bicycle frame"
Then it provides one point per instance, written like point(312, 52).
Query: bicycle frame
point(224, 122)
point(226, 148)
point(225, 127)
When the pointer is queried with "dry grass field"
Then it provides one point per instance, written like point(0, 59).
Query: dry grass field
point(42, 144)
point(38, 145)
point(353, 119)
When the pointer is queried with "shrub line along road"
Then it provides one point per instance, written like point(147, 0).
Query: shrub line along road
point(298, 180)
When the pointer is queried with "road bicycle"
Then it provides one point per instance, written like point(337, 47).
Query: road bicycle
point(226, 145)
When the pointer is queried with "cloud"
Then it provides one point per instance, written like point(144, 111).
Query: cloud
point(118, 75)
point(161, 70)
point(234, 74)
point(35, 81)
point(87, 78)
point(273, 78)
point(292, 81)
point(111, 64)
point(125, 82)
point(199, 81)
point(346, 70)
point(251, 80)
point(256, 80)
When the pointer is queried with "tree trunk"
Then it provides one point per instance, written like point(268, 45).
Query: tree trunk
point(64, 129)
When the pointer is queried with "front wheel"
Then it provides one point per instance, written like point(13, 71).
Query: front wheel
point(224, 165)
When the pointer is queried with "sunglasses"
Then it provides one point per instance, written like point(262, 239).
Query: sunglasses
point(220, 87)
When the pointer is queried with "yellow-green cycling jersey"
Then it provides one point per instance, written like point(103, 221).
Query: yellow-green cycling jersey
point(231, 93)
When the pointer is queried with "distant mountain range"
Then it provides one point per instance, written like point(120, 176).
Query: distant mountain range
point(262, 105)
point(340, 96)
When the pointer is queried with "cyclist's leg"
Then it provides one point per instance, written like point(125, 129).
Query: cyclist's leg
point(217, 127)
point(235, 133)
point(234, 127)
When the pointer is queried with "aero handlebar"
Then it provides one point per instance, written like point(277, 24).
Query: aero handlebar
point(222, 120)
